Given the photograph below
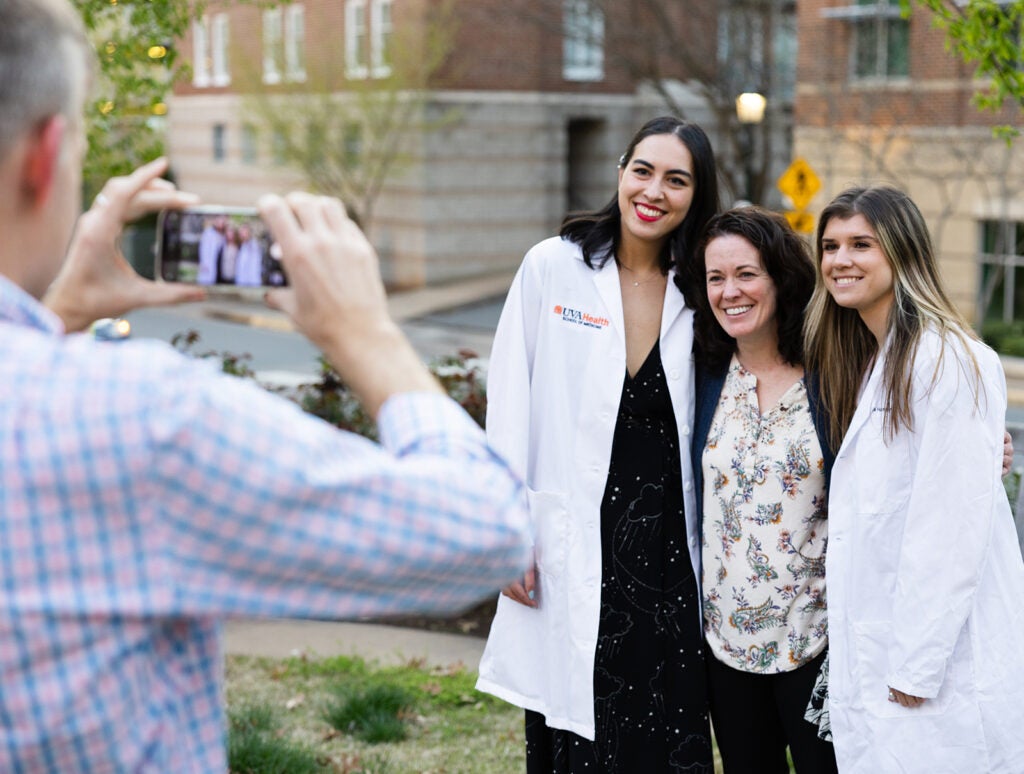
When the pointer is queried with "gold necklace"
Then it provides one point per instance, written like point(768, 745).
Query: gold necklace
point(638, 283)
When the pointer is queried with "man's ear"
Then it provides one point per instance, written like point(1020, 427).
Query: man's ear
point(41, 159)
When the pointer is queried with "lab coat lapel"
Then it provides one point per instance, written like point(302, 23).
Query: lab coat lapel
point(673, 306)
point(606, 280)
point(864, 405)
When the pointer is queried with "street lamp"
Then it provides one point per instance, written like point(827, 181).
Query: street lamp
point(750, 107)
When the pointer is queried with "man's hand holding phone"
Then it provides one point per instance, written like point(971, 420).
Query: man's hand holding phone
point(96, 280)
point(337, 298)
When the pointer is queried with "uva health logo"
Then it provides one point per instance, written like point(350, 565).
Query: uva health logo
point(577, 317)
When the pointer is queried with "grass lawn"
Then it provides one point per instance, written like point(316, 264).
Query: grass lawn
point(432, 721)
point(449, 728)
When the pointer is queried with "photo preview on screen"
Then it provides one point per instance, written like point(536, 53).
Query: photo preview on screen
point(213, 245)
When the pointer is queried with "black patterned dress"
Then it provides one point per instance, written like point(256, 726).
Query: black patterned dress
point(650, 700)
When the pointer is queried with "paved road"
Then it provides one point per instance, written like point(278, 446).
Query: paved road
point(274, 349)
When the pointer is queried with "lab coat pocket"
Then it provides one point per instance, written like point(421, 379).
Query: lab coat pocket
point(551, 530)
point(883, 467)
point(872, 665)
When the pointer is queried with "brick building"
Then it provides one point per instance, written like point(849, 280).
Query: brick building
point(534, 114)
point(527, 113)
point(879, 99)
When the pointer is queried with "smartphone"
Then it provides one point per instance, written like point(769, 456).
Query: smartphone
point(211, 245)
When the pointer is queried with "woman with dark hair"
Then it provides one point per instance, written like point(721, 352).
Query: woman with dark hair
point(590, 398)
point(761, 460)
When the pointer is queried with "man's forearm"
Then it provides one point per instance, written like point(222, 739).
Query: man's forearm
point(378, 364)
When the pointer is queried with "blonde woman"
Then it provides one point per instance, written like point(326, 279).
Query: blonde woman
point(925, 578)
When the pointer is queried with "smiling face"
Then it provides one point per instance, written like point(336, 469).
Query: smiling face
point(856, 272)
point(741, 293)
point(655, 188)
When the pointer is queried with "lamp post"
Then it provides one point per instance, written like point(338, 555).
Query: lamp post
point(750, 107)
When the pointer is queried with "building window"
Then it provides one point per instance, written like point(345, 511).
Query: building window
point(1001, 262)
point(784, 46)
point(583, 42)
point(356, 61)
point(273, 44)
point(757, 49)
point(201, 52)
point(352, 142)
point(279, 147)
point(742, 35)
point(295, 44)
point(881, 43)
point(250, 144)
point(220, 151)
point(220, 60)
point(881, 38)
point(380, 40)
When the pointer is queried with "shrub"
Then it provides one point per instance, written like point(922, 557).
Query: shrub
point(1005, 338)
point(461, 375)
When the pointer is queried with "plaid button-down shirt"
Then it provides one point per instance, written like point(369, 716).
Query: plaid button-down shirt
point(144, 497)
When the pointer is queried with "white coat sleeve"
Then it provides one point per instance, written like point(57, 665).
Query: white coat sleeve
point(510, 370)
point(948, 527)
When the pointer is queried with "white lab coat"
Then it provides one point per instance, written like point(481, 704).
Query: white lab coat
point(926, 582)
point(554, 384)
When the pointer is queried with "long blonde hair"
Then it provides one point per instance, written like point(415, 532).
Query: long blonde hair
point(841, 348)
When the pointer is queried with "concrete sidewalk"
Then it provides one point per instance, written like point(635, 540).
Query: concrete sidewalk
point(374, 643)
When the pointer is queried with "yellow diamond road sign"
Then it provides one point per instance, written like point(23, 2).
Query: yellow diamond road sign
point(799, 183)
point(802, 222)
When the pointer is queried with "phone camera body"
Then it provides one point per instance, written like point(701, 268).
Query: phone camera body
point(225, 246)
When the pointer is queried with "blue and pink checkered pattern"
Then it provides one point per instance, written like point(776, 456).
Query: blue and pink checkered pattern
point(145, 497)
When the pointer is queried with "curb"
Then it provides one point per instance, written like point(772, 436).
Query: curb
point(268, 320)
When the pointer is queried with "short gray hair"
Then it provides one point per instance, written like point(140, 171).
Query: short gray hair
point(38, 77)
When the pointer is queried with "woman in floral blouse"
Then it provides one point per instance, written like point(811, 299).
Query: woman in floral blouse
point(762, 462)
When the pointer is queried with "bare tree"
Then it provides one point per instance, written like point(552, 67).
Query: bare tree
point(347, 135)
point(711, 51)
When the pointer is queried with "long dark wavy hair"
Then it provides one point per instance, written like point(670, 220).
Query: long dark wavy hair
point(598, 233)
point(786, 258)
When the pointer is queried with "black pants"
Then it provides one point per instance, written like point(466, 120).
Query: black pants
point(755, 717)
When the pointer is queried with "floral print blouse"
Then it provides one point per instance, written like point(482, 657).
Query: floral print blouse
point(765, 530)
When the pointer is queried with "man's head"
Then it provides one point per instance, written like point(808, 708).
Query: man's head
point(45, 65)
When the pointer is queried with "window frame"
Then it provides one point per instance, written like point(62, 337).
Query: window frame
point(249, 142)
point(357, 40)
point(220, 143)
point(381, 37)
point(879, 17)
point(273, 43)
point(201, 52)
point(1007, 263)
point(295, 43)
point(220, 50)
point(583, 38)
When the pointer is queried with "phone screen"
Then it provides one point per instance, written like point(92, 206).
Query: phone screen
point(217, 246)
